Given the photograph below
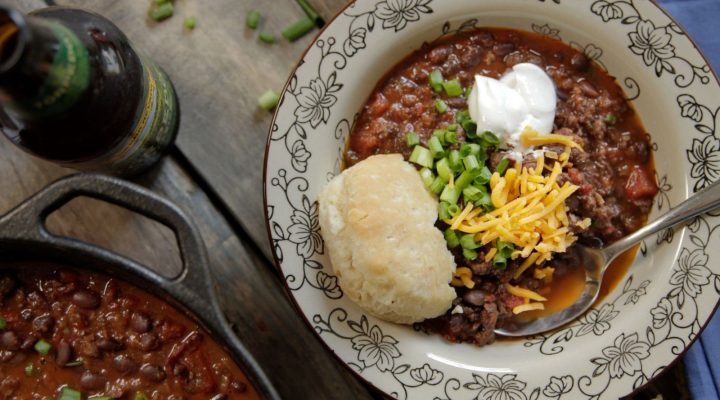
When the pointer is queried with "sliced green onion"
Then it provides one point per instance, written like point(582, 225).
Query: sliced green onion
point(42, 347)
point(453, 88)
point(468, 242)
point(485, 202)
point(611, 119)
point(252, 19)
point(436, 148)
point(267, 37)
point(454, 210)
point(450, 137)
point(100, 398)
point(489, 139)
point(471, 162)
point(298, 29)
point(436, 80)
point(452, 127)
point(471, 194)
point(421, 156)
point(140, 396)
point(443, 210)
point(437, 185)
point(3, 323)
point(502, 166)
point(469, 254)
point(504, 248)
point(268, 100)
point(470, 129)
point(441, 106)
point(451, 238)
point(500, 261)
point(450, 194)
point(190, 23)
point(67, 393)
point(462, 116)
point(455, 160)
point(469, 148)
point(412, 139)
point(161, 12)
point(483, 177)
point(464, 180)
point(427, 176)
point(440, 134)
point(29, 369)
point(443, 169)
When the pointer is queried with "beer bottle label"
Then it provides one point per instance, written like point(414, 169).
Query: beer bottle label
point(67, 79)
point(153, 131)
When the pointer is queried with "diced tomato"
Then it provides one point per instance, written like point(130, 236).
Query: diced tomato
point(364, 143)
point(640, 184)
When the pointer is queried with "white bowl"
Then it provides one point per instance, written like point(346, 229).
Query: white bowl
point(640, 328)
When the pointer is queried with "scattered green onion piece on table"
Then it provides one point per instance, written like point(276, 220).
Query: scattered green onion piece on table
point(436, 147)
point(267, 37)
point(436, 80)
point(450, 137)
point(453, 88)
point(412, 139)
point(438, 185)
point(42, 347)
point(67, 393)
point(3, 323)
point(454, 210)
point(451, 238)
point(469, 254)
point(29, 369)
point(161, 2)
point(422, 157)
point(268, 100)
point(190, 23)
point(441, 106)
point(450, 194)
point(471, 162)
point(311, 13)
point(443, 210)
point(161, 12)
point(427, 176)
point(252, 19)
point(443, 169)
point(502, 166)
point(610, 119)
point(298, 29)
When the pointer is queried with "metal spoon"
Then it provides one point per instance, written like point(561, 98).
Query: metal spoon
point(596, 262)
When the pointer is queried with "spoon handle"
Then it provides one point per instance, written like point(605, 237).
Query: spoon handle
point(699, 203)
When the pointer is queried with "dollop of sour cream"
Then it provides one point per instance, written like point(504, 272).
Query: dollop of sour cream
point(524, 96)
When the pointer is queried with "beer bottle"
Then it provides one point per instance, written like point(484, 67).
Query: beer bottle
point(74, 91)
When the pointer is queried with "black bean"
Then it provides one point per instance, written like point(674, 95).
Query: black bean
point(26, 314)
point(588, 89)
point(86, 299)
point(9, 341)
point(63, 353)
point(152, 373)
point(43, 324)
point(140, 322)
point(502, 49)
point(28, 343)
point(580, 62)
point(6, 355)
point(109, 345)
point(123, 363)
point(180, 370)
point(92, 381)
point(474, 297)
point(238, 386)
point(221, 396)
point(149, 341)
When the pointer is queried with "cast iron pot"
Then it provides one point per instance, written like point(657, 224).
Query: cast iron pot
point(23, 237)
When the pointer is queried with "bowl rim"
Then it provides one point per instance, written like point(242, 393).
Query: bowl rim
point(277, 263)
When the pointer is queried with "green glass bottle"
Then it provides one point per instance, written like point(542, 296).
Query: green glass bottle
point(74, 91)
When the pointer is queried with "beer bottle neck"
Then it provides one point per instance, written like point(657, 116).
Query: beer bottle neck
point(44, 67)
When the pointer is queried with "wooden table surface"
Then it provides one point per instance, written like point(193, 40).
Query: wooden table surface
point(215, 175)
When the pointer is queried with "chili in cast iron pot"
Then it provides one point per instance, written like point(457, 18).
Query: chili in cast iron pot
point(25, 241)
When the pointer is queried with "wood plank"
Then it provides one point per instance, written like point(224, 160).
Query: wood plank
point(253, 297)
point(219, 69)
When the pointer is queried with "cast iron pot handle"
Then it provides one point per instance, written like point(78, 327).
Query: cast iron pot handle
point(192, 286)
